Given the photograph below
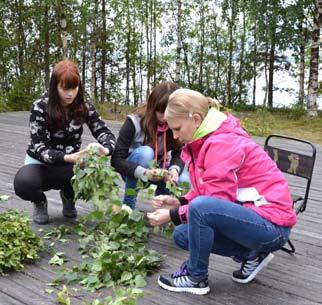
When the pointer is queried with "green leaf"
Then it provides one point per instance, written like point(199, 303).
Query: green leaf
point(139, 281)
point(62, 297)
point(126, 276)
point(135, 215)
point(4, 197)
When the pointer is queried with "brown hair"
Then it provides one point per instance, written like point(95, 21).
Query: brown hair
point(157, 102)
point(67, 75)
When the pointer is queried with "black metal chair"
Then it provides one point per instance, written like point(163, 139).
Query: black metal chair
point(294, 157)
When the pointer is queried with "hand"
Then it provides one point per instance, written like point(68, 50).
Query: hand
point(173, 176)
point(156, 174)
point(98, 148)
point(73, 158)
point(165, 202)
point(159, 217)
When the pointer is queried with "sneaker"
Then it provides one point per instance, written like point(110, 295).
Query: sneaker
point(69, 209)
point(180, 281)
point(40, 215)
point(250, 268)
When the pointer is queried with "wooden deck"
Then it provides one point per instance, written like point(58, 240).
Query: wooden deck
point(295, 280)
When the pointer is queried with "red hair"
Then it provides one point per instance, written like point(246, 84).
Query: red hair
point(67, 74)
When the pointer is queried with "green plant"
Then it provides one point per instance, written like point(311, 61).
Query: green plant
point(122, 297)
point(62, 297)
point(18, 243)
point(4, 197)
point(96, 181)
point(112, 238)
point(261, 127)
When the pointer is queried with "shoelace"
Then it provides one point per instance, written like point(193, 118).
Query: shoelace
point(183, 271)
point(249, 266)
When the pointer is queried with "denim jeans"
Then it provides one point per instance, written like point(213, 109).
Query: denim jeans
point(143, 155)
point(227, 229)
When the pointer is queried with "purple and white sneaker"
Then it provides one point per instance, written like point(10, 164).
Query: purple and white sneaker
point(180, 281)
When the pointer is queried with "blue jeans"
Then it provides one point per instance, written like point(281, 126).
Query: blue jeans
point(143, 155)
point(227, 229)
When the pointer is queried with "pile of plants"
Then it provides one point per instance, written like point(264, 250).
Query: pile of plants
point(112, 237)
point(18, 243)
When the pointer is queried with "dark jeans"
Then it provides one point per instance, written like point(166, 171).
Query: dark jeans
point(226, 229)
point(32, 180)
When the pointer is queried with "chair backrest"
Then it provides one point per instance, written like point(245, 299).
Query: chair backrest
point(294, 157)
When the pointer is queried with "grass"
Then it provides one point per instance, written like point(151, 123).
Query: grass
point(263, 123)
point(259, 122)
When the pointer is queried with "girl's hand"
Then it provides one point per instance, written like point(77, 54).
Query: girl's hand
point(156, 174)
point(99, 149)
point(173, 176)
point(73, 158)
point(165, 202)
point(159, 217)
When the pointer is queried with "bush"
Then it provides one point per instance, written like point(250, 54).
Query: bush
point(18, 243)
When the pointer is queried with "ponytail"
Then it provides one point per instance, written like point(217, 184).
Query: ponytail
point(213, 103)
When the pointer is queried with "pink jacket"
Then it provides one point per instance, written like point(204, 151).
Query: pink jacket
point(226, 162)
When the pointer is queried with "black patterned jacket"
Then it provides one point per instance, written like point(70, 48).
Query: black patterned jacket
point(50, 147)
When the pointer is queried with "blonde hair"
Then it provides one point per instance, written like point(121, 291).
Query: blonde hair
point(185, 102)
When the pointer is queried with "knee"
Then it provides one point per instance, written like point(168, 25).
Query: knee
point(180, 237)
point(20, 184)
point(25, 183)
point(144, 155)
point(197, 204)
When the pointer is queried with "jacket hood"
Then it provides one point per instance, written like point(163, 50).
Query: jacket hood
point(217, 122)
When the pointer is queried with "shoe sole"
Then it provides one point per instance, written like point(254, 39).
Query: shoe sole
point(263, 264)
point(198, 291)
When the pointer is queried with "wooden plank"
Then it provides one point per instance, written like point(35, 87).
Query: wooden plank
point(286, 280)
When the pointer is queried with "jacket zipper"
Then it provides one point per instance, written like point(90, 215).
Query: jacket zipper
point(194, 167)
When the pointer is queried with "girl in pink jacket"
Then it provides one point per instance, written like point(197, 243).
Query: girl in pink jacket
point(239, 205)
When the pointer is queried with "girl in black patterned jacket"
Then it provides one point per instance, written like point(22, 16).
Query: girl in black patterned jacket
point(56, 127)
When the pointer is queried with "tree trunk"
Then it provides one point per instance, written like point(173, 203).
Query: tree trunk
point(312, 107)
point(302, 65)
point(63, 26)
point(154, 42)
point(148, 53)
point(186, 63)
point(202, 46)
point(20, 37)
point(103, 63)
point(241, 59)
point(93, 54)
point(255, 64)
point(141, 62)
point(230, 59)
point(271, 71)
point(84, 47)
point(46, 46)
point(179, 41)
point(127, 55)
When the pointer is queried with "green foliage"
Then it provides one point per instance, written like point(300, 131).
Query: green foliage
point(58, 259)
point(224, 45)
point(18, 243)
point(122, 297)
point(112, 248)
point(262, 127)
point(57, 233)
point(113, 251)
point(4, 197)
point(96, 181)
point(63, 297)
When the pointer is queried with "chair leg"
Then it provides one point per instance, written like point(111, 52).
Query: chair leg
point(290, 250)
